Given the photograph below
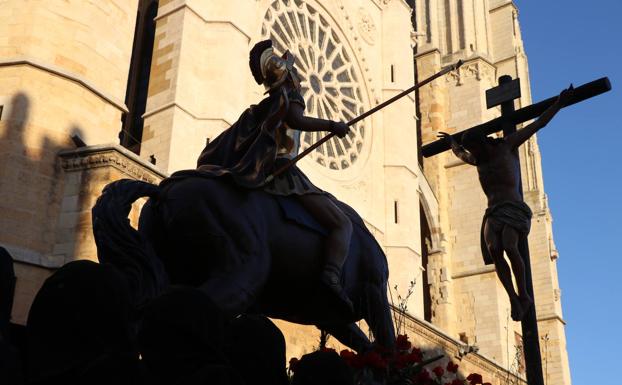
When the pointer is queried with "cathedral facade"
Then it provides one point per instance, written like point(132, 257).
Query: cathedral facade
point(97, 90)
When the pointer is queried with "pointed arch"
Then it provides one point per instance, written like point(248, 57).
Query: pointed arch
point(138, 77)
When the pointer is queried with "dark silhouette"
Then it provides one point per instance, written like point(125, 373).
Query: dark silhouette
point(508, 218)
point(322, 368)
point(256, 349)
point(181, 340)
point(240, 249)
point(7, 291)
point(10, 355)
point(79, 328)
point(118, 244)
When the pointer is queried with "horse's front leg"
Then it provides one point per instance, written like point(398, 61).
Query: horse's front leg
point(234, 288)
point(377, 313)
point(350, 335)
point(227, 292)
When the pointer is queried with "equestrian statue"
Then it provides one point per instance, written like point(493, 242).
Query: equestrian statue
point(251, 240)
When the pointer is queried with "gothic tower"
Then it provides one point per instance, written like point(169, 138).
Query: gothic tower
point(468, 300)
point(163, 77)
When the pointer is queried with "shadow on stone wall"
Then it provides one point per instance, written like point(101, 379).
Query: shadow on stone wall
point(31, 188)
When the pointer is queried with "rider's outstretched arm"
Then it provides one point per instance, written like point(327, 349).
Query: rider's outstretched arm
point(296, 119)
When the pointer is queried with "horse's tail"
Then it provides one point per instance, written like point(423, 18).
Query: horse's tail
point(122, 246)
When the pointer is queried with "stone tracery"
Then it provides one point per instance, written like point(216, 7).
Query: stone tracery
point(330, 85)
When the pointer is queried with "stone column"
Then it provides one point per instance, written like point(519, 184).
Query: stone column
point(199, 78)
point(401, 167)
point(435, 110)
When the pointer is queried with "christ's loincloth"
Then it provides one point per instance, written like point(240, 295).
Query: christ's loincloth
point(515, 214)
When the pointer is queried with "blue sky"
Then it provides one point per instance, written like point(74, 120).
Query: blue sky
point(578, 41)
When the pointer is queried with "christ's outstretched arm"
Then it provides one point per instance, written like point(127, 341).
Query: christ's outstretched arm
point(520, 136)
point(458, 150)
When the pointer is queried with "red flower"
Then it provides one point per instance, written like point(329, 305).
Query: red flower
point(438, 371)
point(293, 364)
point(423, 377)
point(474, 379)
point(351, 359)
point(415, 356)
point(402, 343)
point(451, 367)
point(374, 360)
point(400, 361)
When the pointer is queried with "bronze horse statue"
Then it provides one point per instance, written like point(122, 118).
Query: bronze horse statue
point(244, 251)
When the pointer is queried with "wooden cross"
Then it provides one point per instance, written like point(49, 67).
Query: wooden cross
point(504, 95)
point(584, 92)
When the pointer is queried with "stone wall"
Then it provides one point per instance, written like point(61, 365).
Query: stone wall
point(63, 71)
point(84, 173)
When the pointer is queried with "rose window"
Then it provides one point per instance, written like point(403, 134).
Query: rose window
point(330, 84)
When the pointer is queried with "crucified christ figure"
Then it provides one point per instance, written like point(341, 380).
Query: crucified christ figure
point(508, 218)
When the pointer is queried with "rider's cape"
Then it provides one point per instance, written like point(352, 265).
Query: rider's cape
point(246, 151)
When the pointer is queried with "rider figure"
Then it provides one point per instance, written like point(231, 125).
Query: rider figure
point(273, 140)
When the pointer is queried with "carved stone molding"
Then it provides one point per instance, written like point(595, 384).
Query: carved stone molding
point(366, 26)
point(63, 73)
point(455, 349)
point(115, 156)
point(477, 69)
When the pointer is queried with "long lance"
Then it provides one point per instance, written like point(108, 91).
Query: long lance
point(317, 144)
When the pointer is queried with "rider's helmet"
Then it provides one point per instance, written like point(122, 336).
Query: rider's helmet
point(270, 69)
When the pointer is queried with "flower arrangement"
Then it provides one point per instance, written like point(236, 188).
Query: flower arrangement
point(406, 365)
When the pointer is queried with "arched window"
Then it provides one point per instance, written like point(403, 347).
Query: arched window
point(426, 242)
point(332, 85)
point(138, 79)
